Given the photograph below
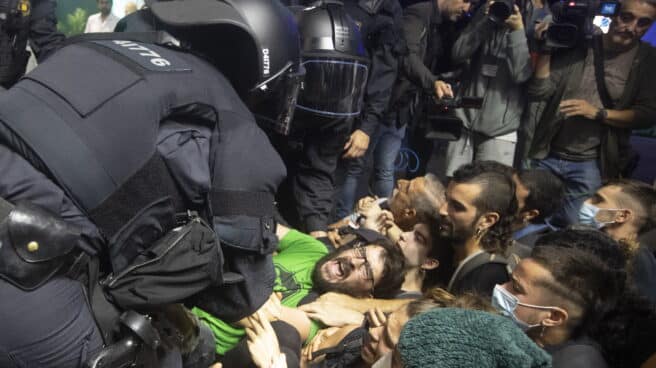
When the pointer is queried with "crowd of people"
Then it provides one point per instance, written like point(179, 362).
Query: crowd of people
point(183, 187)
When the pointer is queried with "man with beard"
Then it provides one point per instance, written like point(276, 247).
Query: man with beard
point(476, 218)
point(304, 264)
point(585, 126)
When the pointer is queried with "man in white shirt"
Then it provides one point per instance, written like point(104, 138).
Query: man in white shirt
point(104, 21)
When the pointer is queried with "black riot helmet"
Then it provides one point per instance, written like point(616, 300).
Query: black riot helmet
point(255, 43)
point(335, 61)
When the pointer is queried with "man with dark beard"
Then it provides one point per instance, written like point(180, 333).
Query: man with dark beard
point(304, 264)
point(476, 218)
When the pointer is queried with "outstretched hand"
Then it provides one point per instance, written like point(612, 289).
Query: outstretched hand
point(331, 314)
point(263, 343)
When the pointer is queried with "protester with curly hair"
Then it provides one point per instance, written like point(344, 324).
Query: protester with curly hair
point(477, 217)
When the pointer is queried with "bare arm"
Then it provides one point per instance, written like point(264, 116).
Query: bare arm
point(363, 304)
point(298, 319)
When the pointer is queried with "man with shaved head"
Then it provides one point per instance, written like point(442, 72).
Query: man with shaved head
point(625, 209)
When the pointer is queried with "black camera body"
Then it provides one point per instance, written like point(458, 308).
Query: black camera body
point(442, 123)
point(500, 10)
point(572, 20)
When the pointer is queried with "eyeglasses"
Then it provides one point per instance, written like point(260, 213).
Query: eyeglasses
point(628, 17)
point(361, 252)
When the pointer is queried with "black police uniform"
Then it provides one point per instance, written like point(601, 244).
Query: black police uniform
point(67, 321)
point(380, 23)
point(336, 65)
point(24, 20)
point(134, 132)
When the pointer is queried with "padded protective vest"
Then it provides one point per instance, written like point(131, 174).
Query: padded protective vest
point(89, 118)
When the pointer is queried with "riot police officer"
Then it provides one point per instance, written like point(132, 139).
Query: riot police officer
point(381, 25)
point(20, 21)
point(337, 66)
point(134, 129)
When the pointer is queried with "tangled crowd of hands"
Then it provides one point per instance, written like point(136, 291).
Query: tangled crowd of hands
point(373, 217)
point(329, 309)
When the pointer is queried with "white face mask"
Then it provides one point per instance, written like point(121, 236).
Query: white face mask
point(506, 303)
point(385, 361)
point(588, 215)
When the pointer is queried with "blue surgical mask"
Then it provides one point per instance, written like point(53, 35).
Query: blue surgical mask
point(506, 303)
point(588, 215)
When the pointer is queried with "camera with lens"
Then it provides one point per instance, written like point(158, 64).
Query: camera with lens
point(572, 20)
point(500, 10)
point(442, 123)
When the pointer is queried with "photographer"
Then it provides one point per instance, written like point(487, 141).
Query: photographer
point(494, 50)
point(582, 139)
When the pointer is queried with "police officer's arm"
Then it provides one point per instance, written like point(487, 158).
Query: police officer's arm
point(472, 37)
point(44, 37)
point(384, 64)
point(22, 182)
point(416, 27)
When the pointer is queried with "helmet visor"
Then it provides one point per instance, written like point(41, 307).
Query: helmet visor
point(333, 87)
point(281, 92)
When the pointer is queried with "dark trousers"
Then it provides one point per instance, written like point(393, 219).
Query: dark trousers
point(311, 181)
point(51, 326)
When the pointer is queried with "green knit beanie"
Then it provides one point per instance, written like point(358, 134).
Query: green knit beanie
point(462, 338)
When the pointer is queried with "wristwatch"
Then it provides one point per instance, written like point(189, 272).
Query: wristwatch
point(601, 114)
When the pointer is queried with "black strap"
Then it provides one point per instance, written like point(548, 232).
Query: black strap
point(151, 183)
point(87, 179)
point(244, 203)
point(598, 54)
point(479, 260)
point(105, 314)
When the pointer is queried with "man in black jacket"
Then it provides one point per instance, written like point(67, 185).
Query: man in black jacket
point(421, 22)
point(380, 23)
point(424, 24)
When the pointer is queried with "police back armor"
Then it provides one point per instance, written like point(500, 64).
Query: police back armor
point(136, 132)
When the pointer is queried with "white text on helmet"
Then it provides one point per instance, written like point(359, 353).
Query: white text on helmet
point(265, 61)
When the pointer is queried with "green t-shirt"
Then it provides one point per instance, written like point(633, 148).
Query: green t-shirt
point(298, 253)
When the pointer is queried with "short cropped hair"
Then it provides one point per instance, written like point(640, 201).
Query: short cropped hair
point(545, 192)
point(639, 197)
